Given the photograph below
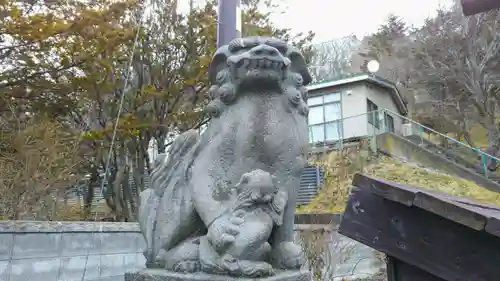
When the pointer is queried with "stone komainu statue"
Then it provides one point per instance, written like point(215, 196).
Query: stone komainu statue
point(257, 138)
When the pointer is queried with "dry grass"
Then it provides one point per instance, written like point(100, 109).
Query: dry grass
point(325, 251)
point(39, 159)
point(340, 167)
point(480, 136)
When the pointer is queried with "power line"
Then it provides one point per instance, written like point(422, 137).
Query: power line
point(120, 108)
point(122, 98)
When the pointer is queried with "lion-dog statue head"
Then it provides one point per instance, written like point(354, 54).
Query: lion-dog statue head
point(258, 63)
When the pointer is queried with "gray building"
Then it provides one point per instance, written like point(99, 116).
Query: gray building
point(339, 110)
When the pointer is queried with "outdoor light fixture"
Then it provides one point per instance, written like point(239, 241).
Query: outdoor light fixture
point(373, 66)
point(472, 7)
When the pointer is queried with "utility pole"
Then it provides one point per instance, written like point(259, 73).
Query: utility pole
point(229, 21)
point(472, 7)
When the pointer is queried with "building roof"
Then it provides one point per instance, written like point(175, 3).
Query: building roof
point(368, 78)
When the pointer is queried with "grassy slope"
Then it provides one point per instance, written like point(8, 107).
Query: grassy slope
point(477, 132)
point(340, 169)
point(479, 136)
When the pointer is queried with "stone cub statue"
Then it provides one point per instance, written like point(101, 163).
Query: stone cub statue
point(259, 207)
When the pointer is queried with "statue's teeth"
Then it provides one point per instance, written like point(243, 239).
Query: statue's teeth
point(254, 63)
point(246, 63)
point(268, 63)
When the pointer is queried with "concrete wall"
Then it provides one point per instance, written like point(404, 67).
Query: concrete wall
point(71, 251)
point(346, 259)
point(394, 145)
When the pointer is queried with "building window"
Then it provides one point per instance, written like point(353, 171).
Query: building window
point(324, 122)
point(372, 110)
point(389, 123)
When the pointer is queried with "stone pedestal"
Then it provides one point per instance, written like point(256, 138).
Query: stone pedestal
point(163, 275)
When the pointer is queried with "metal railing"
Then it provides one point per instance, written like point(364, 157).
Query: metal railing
point(370, 124)
point(485, 157)
point(354, 127)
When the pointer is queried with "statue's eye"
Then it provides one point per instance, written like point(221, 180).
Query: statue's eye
point(236, 49)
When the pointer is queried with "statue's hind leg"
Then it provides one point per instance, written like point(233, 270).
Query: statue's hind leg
point(184, 257)
point(177, 232)
point(285, 253)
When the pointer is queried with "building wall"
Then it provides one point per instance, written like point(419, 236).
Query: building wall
point(352, 104)
point(382, 98)
point(355, 122)
point(354, 108)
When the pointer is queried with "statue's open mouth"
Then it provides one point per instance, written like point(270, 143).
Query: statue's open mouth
point(263, 63)
point(258, 70)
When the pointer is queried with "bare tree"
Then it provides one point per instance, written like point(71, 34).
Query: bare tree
point(390, 46)
point(327, 251)
point(39, 161)
point(464, 75)
point(333, 58)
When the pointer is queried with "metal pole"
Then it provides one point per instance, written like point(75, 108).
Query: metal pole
point(472, 7)
point(229, 21)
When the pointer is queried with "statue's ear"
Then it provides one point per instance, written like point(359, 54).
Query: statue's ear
point(218, 63)
point(298, 64)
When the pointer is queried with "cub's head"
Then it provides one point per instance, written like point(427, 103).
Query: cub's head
point(258, 65)
point(257, 185)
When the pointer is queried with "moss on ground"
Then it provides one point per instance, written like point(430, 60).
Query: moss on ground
point(340, 168)
point(477, 132)
point(480, 136)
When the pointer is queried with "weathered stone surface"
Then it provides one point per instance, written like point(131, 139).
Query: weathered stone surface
point(6, 243)
point(31, 245)
point(163, 275)
point(92, 267)
point(54, 226)
point(4, 270)
point(223, 202)
point(34, 269)
point(126, 242)
point(120, 227)
point(71, 256)
point(79, 244)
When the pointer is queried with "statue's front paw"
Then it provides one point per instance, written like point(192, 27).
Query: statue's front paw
point(288, 255)
point(223, 231)
point(187, 266)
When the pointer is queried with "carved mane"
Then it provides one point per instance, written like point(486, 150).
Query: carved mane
point(223, 91)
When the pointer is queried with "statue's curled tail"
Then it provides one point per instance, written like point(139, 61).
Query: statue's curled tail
point(166, 213)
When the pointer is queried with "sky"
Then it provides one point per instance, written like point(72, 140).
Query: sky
point(331, 19)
